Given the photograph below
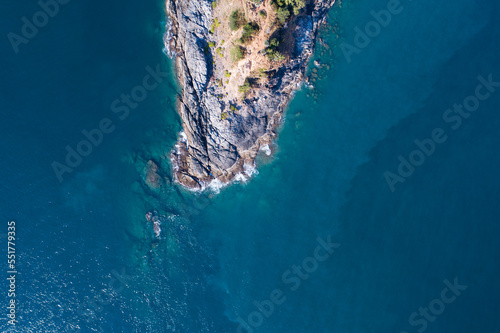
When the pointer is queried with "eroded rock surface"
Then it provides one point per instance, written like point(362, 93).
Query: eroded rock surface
point(218, 148)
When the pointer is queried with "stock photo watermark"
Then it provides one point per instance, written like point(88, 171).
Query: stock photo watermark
point(373, 28)
point(454, 118)
point(121, 107)
point(30, 27)
point(425, 315)
point(292, 279)
point(11, 274)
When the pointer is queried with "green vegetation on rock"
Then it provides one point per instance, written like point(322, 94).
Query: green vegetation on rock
point(296, 5)
point(284, 8)
point(248, 31)
point(272, 51)
point(283, 14)
point(245, 87)
point(237, 53)
point(219, 51)
point(215, 24)
point(262, 73)
point(237, 20)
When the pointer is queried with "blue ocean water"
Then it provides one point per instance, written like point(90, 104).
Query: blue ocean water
point(88, 260)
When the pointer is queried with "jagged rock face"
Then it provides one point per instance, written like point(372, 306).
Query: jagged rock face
point(213, 148)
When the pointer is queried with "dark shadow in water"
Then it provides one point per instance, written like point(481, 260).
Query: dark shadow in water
point(441, 223)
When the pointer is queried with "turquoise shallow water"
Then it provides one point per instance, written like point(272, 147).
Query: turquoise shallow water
point(89, 261)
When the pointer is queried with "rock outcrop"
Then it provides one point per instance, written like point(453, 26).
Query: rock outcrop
point(215, 148)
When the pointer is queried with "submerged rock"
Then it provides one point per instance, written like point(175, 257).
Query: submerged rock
point(152, 177)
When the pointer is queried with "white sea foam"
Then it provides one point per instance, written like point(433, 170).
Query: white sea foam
point(266, 149)
point(167, 38)
point(216, 185)
point(157, 228)
point(240, 178)
point(248, 171)
point(183, 137)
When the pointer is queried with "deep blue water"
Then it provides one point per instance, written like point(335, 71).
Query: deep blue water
point(88, 260)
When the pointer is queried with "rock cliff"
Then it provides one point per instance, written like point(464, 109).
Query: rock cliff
point(219, 148)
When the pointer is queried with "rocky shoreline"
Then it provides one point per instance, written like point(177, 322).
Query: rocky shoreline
point(219, 149)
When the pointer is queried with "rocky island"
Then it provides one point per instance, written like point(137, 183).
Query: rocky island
point(238, 63)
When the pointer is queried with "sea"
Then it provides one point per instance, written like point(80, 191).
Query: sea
point(377, 210)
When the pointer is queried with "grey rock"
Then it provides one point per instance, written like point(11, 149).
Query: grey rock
point(212, 148)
